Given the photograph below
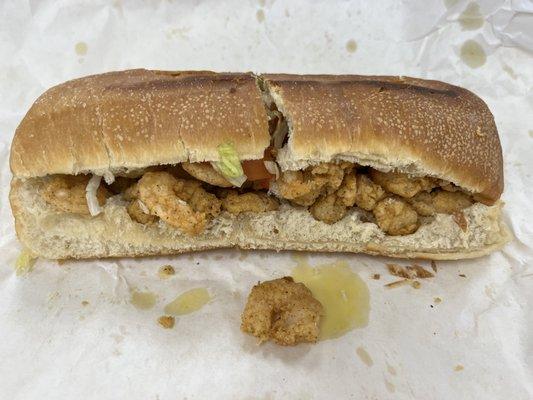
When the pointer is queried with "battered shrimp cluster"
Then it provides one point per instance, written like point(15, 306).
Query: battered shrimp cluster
point(396, 200)
point(189, 195)
point(283, 311)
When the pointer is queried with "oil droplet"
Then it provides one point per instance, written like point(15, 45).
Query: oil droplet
point(472, 54)
point(166, 271)
point(391, 370)
point(531, 133)
point(450, 3)
point(458, 368)
point(188, 302)
point(390, 387)
point(143, 300)
point(351, 46)
point(81, 48)
point(364, 356)
point(471, 18)
point(260, 15)
point(343, 294)
point(437, 300)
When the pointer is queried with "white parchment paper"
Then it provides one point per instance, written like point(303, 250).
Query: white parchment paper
point(476, 344)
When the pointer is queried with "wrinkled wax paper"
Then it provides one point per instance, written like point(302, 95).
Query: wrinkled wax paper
point(70, 331)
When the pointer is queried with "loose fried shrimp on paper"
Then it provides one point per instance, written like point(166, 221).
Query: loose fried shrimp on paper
point(282, 310)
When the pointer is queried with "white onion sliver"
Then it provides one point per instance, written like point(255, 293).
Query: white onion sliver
point(272, 167)
point(90, 195)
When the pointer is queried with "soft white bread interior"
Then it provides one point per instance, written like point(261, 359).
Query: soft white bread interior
point(58, 235)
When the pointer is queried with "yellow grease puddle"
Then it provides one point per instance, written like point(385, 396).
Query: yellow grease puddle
point(343, 294)
point(471, 18)
point(188, 302)
point(143, 300)
point(473, 54)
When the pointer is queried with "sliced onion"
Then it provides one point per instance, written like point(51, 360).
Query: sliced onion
point(90, 195)
point(272, 167)
point(109, 178)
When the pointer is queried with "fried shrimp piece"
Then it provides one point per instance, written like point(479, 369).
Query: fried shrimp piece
point(402, 184)
point(367, 193)
point(328, 209)
point(282, 310)
point(347, 193)
point(450, 202)
point(440, 201)
point(300, 187)
point(67, 193)
point(396, 217)
point(256, 202)
point(138, 212)
point(200, 200)
point(206, 173)
point(304, 187)
point(158, 191)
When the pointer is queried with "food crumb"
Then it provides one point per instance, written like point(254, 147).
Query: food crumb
point(437, 300)
point(462, 275)
point(458, 367)
point(394, 284)
point(166, 321)
point(166, 271)
point(416, 284)
point(84, 303)
point(376, 277)
point(260, 15)
point(409, 272)
point(434, 266)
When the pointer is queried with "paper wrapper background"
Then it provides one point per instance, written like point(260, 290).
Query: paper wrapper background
point(53, 347)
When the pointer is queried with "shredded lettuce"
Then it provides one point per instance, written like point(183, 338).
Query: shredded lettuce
point(229, 165)
point(24, 263)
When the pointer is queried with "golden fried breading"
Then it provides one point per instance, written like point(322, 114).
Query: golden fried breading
point(257, 202)
point(205, 172)
point(450, 202)
point(440, 201)
point(158, 192)
point(402, 184)
point(328, 209)
point(137, 211)
point(282, 310)
point(347, 192)
point(395, 217)
point(367, 193)
point(195, 195)
point(423, 204)
point(67, 193)
point(300, 187)
point(304, 187)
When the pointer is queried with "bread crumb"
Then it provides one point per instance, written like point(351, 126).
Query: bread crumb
point(458, 368)
point(462, 275)
point(166, 271)
point(416, 284)
point(84, 303)
point(166, 321)
point(376, 277)
point(437, 300)
point(409, 272)
point(397, 283)
point(434, 266)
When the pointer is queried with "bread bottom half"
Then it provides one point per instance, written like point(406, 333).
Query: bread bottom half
point(52, 234)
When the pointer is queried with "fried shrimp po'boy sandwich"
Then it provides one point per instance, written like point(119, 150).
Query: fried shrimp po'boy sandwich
point(144, 162)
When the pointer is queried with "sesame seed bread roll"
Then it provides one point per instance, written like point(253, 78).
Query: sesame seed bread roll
point(120, 123)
